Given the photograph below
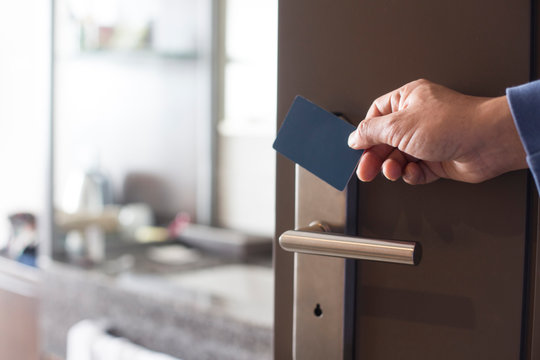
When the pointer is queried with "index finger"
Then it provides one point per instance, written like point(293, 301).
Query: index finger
point(385, 104)
point(394, 100)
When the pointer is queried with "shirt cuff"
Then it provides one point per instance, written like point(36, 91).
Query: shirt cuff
point(534, 166)
point(524, 102)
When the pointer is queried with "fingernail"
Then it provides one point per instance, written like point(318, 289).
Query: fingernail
point(408, 176)
point(352, 139)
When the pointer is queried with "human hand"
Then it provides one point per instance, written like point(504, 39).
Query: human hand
point(424, 131)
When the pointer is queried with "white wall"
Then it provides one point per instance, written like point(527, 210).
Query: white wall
point(138, 116)
point(246, 160)
point(24, 106)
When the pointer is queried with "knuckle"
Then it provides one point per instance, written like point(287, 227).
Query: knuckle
point(419, 84)
point(392, 131)
point(363, 127)
point(378, 103)
point(395, 99)
point(403, 143)
point(397, 134)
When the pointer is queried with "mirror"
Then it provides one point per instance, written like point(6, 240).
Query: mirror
point(164, 116)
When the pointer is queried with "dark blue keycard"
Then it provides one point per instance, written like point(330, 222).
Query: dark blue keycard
point(317, 140)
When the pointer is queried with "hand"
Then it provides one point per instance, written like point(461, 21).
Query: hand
point(424, 131)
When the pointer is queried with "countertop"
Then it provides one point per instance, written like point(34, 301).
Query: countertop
point(214, 309)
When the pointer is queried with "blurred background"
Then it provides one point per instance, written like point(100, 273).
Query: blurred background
point(137, 208)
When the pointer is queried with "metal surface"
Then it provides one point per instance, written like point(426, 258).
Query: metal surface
point(318, 280)
point(317, 241)
point(318, 307)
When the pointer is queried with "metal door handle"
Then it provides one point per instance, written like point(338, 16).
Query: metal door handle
point(317, 240)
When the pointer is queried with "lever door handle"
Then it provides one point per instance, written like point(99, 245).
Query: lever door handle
point(317, 239)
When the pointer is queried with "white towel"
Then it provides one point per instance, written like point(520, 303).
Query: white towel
point(88, 340)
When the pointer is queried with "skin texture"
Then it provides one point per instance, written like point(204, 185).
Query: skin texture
point(422, 132)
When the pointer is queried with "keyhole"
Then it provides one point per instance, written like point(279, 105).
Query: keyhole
point(318, 310)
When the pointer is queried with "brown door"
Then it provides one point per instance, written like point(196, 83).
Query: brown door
point(465, 300)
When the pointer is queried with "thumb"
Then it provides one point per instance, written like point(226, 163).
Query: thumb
point(374, 131)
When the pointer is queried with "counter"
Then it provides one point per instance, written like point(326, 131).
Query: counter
point(189, 314)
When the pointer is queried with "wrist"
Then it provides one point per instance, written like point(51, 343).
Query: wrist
point(502, 146)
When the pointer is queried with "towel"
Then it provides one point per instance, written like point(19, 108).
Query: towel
point(89, 340)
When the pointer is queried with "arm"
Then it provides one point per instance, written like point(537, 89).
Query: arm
point(424, 131)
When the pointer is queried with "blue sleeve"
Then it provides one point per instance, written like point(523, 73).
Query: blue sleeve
point(524, 101)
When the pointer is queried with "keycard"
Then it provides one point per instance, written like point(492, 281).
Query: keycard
point(317, 140)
